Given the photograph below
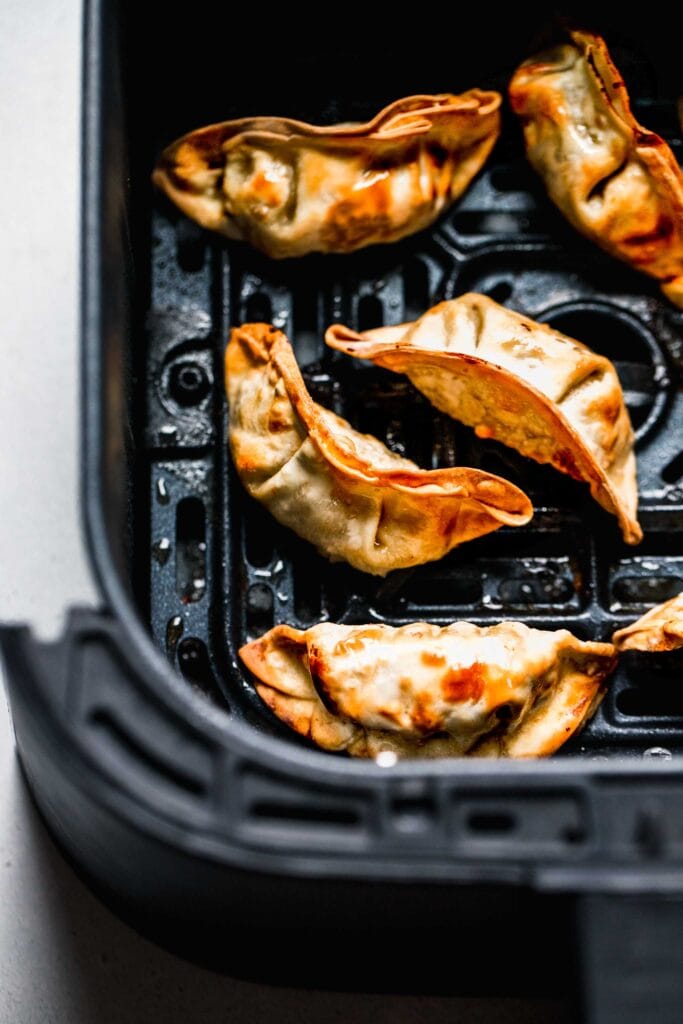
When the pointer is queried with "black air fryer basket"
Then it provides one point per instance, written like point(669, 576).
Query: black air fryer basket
point(151, 757)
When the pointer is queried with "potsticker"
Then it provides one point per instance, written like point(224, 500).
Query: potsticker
point(616, 182)
point(430, 691)
point(343, 491)
point(290, 188)
point(520, 382)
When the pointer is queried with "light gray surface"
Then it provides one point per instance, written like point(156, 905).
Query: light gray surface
point(40, 539)
point(64, 959)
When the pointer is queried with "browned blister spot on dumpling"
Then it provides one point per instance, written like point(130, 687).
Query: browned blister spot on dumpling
point(429, 691)
point(291, 188)
point(660, 629)
point(520, 382)
point(341, 490)
point(464, 683)
point(616, 182)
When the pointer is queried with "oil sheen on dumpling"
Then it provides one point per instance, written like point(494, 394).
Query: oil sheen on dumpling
point(290, 188)
point(428, 691)
point(343, 491)
point(660, 629)
point(616, 182)
point(520, 382)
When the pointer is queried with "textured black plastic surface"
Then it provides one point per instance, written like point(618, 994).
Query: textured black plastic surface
point(631, 953)
point(222, 570)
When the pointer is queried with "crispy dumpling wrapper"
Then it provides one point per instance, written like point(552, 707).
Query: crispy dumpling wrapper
point(616, 182)
point(426, 691)
point(344, 491)
point(520, 382)
point(290, 188)
point(660, 629)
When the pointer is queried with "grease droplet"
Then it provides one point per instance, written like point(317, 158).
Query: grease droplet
point(174, 631)
point(163, 496)
point(161, 549)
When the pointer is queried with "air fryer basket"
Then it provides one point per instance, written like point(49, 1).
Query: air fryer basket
point(153, 761)
point(221, 570)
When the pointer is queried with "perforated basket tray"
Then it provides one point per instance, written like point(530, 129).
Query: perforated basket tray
point(222, 570)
